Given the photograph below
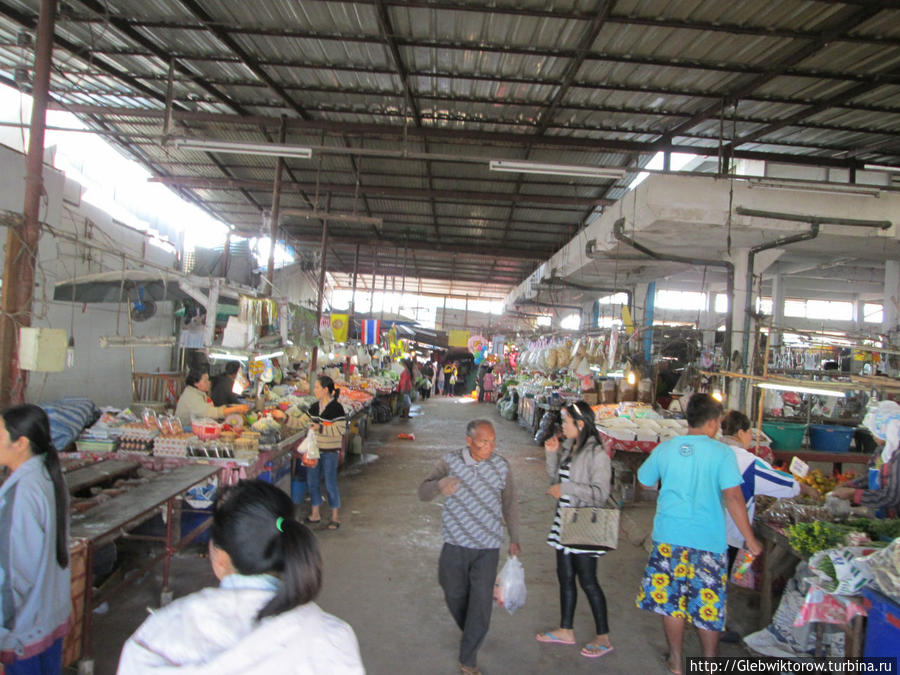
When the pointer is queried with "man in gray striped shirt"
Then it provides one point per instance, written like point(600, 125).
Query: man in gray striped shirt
point(479, 496)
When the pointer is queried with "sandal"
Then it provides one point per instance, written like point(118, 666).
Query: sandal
point(334, 524)
point(311, 521)
point(593, 651)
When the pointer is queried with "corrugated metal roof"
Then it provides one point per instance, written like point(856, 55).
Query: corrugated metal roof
point(416, 103)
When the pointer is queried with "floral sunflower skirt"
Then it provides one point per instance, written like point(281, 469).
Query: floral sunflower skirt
point(686, 583)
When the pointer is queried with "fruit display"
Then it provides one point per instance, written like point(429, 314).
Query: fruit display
point(825, 484)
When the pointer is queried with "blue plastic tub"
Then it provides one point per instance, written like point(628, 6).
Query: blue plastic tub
point(882, 625)
point(830, 437)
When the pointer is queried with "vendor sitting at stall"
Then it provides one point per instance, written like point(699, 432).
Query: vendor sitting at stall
point(886, 462)
point(222, 392)
point(195, 402)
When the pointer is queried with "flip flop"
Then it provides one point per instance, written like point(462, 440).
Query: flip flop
point(311, 521)
point(551, 638)
point(333, 525)
point(595, 651)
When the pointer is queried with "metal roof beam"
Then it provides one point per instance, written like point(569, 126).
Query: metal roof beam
point(340, 188)
point(547, 53)
point(385, 243)
point(622, 19)
point(454, 135)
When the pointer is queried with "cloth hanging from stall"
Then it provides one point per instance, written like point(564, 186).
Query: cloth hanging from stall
point(257, 311)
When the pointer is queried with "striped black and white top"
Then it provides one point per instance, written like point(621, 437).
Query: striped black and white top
point(553, 537)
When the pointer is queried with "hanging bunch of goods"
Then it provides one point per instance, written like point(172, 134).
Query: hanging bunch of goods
point(257, 311)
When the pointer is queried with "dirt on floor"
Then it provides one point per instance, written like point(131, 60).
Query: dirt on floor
point(381, 566)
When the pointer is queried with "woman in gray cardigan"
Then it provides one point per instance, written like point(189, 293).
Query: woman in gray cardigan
point(580, 471)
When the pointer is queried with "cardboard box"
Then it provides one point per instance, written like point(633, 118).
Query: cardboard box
point(590, 397)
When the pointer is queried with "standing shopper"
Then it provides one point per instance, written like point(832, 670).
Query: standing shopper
point(686, 575)
point(35, 599)
point(405, 387)
point(329, 426)
point(479, 496)
point(261, 618)
point(580, 472)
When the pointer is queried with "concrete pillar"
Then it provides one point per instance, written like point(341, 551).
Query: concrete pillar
point(589, 314)
point(891, 298)
point(859, 315)
point(777, 307)
point(708, 321)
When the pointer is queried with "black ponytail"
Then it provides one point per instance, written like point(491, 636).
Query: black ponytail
point(253, 523)
point(327, 383)
point(581, 411)
point(31, 422)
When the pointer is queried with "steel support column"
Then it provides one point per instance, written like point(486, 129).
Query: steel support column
point(22, 241)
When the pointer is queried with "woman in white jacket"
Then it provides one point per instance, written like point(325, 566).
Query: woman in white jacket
point(262, 618)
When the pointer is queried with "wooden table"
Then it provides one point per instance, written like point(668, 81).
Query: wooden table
point(835, 458)
point(99, 472)
point(109, 521)
point(778, 556)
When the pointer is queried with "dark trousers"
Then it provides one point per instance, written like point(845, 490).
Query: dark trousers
point(467, 576)
point(584, 566)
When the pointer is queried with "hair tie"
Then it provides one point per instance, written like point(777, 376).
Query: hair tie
point(279, 522)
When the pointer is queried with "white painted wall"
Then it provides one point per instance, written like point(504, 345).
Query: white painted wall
point(103, 375)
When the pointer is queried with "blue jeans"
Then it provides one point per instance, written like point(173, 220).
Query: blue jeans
point(328, 465)
point(48, 662)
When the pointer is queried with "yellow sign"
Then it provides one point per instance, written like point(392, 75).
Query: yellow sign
point(339, 326)
point(627, 320)
point(458, 338)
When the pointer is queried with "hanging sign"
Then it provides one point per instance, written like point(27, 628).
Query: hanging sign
point(458, 338)
point(339, 327)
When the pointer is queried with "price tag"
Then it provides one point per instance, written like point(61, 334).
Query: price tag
point(798, 467)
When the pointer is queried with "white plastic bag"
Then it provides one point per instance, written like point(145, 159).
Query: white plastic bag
point(309, 446)
point(509, 589)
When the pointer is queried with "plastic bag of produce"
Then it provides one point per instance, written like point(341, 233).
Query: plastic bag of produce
point(839, 570)
point(509, 589)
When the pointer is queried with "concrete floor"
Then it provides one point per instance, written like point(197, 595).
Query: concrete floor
point(381, 567)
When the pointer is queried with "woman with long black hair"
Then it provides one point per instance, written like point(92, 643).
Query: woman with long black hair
point(580, 472)
point(34, 552)
point(261, 618)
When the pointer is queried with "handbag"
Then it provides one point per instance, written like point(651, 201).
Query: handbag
point(590, 526)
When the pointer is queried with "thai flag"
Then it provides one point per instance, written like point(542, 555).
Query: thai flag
point(370, 330)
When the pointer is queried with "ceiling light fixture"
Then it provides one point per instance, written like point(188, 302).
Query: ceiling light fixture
point(831, 188)
point(516, 166)
point(881, 167)
point(802, 390)
point(270, 149)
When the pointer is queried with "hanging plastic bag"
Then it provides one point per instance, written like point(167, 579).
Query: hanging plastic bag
point(309, 449)
point(509, 589)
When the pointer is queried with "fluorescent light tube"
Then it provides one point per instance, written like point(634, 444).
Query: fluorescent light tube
point(271, 149)
point(515, 166)
point(226, 357)
point(270, 355)
point(802, 390)
point(832, 188)
point(881, 167)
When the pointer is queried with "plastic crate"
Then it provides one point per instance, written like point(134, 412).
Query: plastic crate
point(95, 445)
point(882, 626)
point(785, 435)
point(830, 437)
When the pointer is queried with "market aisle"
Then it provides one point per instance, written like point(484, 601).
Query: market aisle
point(381, 566)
